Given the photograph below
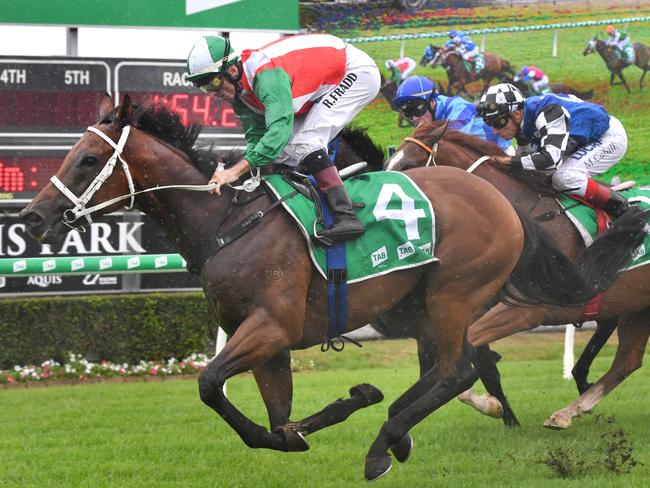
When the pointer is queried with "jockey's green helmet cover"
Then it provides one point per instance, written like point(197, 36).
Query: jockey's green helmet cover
point(208, 57)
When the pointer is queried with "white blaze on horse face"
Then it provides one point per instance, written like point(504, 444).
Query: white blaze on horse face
point(399, 155)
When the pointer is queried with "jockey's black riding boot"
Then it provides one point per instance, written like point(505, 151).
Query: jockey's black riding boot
point(602, 196)
point(345, 223)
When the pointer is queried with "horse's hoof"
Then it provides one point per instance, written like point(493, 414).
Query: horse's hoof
point(558, 421)
point(402, 449)
point(511, 421)
point(292, 440)
point(370, 393)
point(376, 467)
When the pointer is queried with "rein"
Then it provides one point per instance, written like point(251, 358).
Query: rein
point(431, 150)
point(79, 210)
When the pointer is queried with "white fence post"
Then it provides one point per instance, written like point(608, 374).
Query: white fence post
point(569, 338)
point(555, 44)
point(483, 43)
point(221, 342)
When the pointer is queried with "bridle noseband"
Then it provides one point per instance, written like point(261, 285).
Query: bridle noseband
point(431, 150)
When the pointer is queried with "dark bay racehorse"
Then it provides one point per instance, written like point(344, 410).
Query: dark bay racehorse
point(263, 289)
point(495, 68)
point(616, 63)
point(626, 303)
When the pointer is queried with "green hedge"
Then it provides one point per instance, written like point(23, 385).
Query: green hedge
point(119, 328)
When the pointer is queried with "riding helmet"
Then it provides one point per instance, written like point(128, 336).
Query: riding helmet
point(499, 101)
point(415, 88)
point(210, 55)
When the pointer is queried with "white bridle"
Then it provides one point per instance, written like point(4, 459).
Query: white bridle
point(79, 210)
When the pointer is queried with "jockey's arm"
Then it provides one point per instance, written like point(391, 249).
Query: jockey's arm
point(553, 126)
point(267, 134)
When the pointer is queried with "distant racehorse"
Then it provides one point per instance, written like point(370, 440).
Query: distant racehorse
point(615, 61)
point(495, 68)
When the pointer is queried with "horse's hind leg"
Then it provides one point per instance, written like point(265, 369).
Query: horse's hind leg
point(633, 332)
point(645, 70)
point(580, 371)
point(361, 396)
point(258, 340)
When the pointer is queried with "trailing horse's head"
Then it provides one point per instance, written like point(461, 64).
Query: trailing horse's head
point(419, 149)
point(591, 46)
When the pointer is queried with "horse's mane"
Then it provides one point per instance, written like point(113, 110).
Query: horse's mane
point(425, 133)
point(359, 140)
point(166, 125)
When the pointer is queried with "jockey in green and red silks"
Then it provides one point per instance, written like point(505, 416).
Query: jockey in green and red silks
point(292, 96)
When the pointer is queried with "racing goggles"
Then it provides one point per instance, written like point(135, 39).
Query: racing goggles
point(210, 84)
point(414, 109)
point(498, 122)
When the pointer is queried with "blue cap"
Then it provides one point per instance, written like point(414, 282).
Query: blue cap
point(415, 88)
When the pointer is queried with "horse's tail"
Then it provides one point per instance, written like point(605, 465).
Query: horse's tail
point(602, 262)
point(507, 68)
point(545, 276)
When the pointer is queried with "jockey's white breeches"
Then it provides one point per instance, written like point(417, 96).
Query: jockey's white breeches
point(334, 110)
point(592, 159)
point(539, 85)
point(467, 55)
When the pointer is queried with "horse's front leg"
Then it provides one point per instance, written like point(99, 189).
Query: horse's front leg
point(274, 381)
point(259, 340)
point(633, 333)
point(623, 82)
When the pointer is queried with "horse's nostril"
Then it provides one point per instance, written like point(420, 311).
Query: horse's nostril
point(32, 219)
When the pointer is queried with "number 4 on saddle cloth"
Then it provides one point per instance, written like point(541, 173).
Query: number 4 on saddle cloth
point(584, 218)
point(397, 216)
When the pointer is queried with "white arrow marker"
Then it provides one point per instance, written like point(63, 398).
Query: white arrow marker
point(195, 6)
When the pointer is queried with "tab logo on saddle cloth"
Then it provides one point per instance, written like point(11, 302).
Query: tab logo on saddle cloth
point(398, 218)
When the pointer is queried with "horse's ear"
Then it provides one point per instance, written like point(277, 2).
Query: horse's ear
point(105, 106)
point(440, 131)
point(125, 110)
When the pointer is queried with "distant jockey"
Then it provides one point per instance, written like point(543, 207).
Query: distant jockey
point(400, 69)
point(419, 101)
point(534, 77)
point(468, 50)
point(622, 42)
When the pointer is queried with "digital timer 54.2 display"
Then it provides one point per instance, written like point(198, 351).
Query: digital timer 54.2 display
point(48, 103)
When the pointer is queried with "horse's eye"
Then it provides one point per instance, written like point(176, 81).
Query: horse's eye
point(89, 160)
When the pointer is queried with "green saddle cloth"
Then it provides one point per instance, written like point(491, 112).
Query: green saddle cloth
point(398, 217)
point(584, 219)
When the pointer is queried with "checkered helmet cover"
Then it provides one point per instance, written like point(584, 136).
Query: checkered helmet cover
point(499, 100)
